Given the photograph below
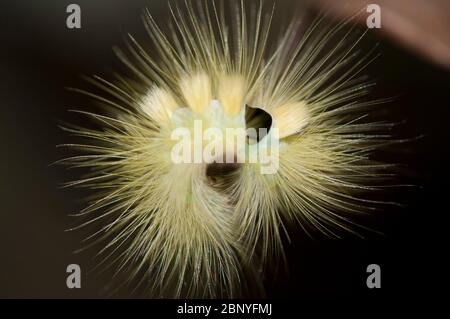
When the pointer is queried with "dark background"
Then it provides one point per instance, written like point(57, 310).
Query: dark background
point(39, 57)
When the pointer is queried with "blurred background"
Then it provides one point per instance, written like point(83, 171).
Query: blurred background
point(40, 57)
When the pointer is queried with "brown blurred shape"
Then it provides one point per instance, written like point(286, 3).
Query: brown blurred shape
point(423, 26)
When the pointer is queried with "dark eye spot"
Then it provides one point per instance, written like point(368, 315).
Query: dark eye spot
point(256, 118)
point(222, 175)
point(216, 170)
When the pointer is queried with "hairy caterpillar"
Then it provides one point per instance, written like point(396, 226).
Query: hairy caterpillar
point(207, 229)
